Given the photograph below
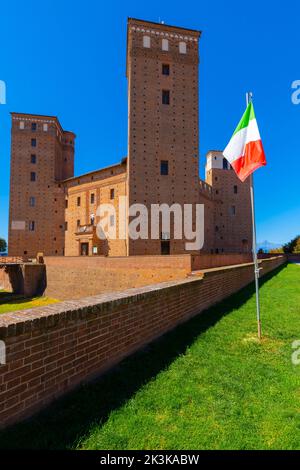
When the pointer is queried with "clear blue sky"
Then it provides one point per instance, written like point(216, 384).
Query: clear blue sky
point(67, 58)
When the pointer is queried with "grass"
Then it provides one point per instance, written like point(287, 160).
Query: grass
point(12, 302)
point(209, 384)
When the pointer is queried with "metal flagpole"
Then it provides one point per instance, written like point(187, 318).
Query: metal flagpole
point(254, 248)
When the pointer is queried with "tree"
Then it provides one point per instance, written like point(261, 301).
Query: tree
point(293, 246)
point(3, 245)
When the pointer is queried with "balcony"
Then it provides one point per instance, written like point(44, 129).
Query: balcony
point(85, 230)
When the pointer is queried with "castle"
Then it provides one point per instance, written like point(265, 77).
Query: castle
point(54, 212)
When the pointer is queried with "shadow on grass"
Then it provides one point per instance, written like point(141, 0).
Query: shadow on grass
point(62, 424)
point(11, 298)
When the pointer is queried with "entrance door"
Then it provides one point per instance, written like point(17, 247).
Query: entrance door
point(84, 249)
point(165, 247)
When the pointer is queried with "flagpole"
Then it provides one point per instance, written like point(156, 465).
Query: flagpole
point(254, 245)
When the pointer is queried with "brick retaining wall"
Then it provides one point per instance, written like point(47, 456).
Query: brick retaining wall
point(51, 350)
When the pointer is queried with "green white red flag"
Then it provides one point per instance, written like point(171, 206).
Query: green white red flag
point(245, 151)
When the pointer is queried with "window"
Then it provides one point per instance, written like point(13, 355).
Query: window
point(225, 164)
point(217, 228)
point(22, 125)
point(45, 127)
point(31, 226)
point(66, 226)
point(165, 69)
point(92, 219)
point(92, 198)
point(32, 201)
point(112, 220)
point(164, 168)
point(95, 250)
point(112, 193)
point(235, 189)
point(33, 126)
point(182, 48)
point(78, 223)
point(66, 203)
point(32, 176)
point(146, 41)
point(33, 142)
point(232, 210)
point(78, 201)
point(165, 97)
point(165, 45)
point(33, 159)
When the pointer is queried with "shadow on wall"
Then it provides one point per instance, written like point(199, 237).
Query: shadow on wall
point(61, 425)
point(24, 279)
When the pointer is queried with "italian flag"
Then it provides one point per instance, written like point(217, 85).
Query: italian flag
point(245, 151)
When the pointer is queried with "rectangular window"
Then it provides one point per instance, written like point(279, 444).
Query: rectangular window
point(165, 45)
point(78, 223)
point(33, 159)
point(165, 69)
point(164, 167)
point(146, 41)
point(165, 97)
point(66, 203)
point(66, 226)
point(32, 176)
point(22, 125)
point(33, 126)
point(45, 127)
point(33, 142)
point(182, 48)
point(92, 198)
point(225, 164)
point(32, 201)
point(112, 194)
point(31, 226)
point(78, 201)
point(235, 189)
point(232, 210)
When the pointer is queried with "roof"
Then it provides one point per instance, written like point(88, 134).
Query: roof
point(122, 162)
point(43, 116)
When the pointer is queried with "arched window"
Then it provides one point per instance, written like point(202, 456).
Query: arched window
point(182, 48)
point(146, 41)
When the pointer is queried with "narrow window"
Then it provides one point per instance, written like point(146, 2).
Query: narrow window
point(235, 189)
point(112, 194)
point(232, 210)
point(66, 203)
point(31, 226)
point(146, 41)
point(32, 176)
point(92, 198)
point(66, 226)
point(33, 126)
point(78, 201)
point(45, 127)
point(165, 45)
point(217, 228)
point(182, 48)
point(22, 125)
point(33, 142)
point(164, 168)
point(32, 201)
point(165, 69)
point(225, 164)
point(165, 247)
point(165, 97)
point(78, 223)
point(33, 159)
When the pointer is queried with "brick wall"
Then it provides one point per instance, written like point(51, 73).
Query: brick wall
point(25, 279)
point(53, 349)
point(213, 261)
point(76, 277)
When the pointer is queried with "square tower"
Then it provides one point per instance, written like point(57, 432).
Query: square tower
point(163, 147)
point(42, 154)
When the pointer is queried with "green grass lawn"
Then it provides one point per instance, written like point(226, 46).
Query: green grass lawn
point(12, 302)
point(209, 384)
